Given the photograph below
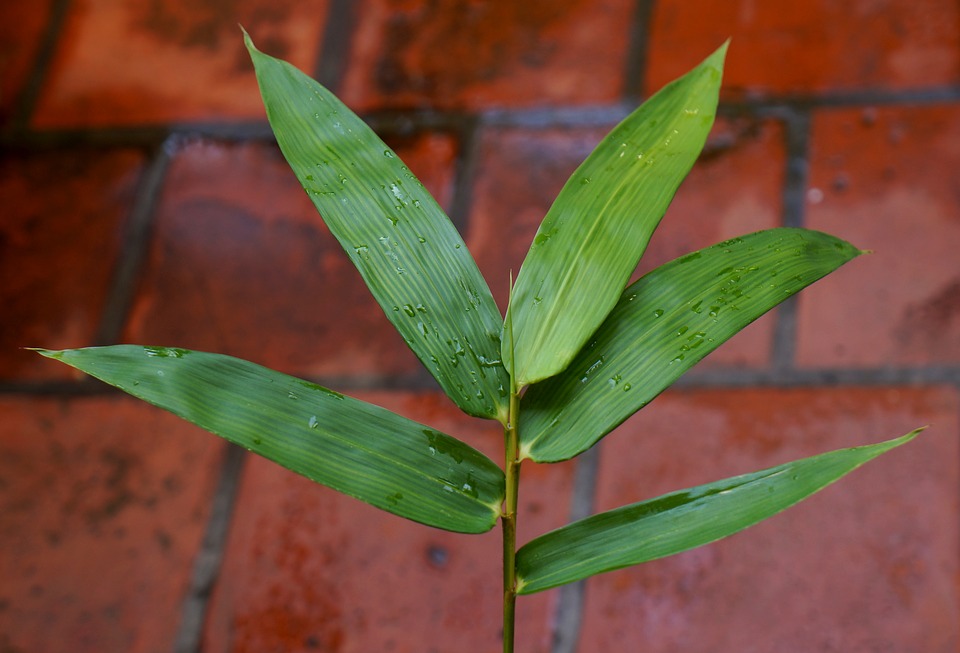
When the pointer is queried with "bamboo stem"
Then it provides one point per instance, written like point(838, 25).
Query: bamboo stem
point(511, 490)
point(509, 521)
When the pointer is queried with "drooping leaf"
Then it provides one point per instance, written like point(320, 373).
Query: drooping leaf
point(403, 244)
point(594, 234)
point(349, 445)
point(662, 326)
point(681, 520)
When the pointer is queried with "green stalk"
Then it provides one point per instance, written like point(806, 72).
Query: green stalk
point(512, 473)
point(509, 519)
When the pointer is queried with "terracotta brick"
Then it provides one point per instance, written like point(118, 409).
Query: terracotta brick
point(242, 264)
point(464, 54)
point(121, 63)
point(818, 46)
point(21, 31)
point(310, 569)
point(60, 238)
point(103, 505)
point(734, 190)
point(870, 564)
point(100, 531)
point(885, 180)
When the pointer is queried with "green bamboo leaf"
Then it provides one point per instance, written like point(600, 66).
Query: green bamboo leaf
point(349, 445)
point(662, 326)
point(681, 520)
point(594, 234)
point(403, 244)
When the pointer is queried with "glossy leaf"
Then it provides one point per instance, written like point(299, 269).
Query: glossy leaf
point(662, 326)
point(681, 520)
point(594, 234)
point(403, 244)
point(357, 448)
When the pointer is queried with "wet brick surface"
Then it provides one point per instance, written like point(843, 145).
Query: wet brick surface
point(142, 199)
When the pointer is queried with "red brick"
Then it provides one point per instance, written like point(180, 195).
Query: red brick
point(123, 63)
point(103, 505)
point(60, 236)
point(461, 54)
point(242, 264)
point(21, 31)
point(818, 46)
point(307, 568)
point(870, 564)
point(732, 191)
point(885, 180)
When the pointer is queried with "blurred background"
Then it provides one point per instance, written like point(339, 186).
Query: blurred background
point(142, 199)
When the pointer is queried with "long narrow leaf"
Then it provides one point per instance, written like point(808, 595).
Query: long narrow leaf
point(405, 247)
point(681, 520)
point(357, 448)
point(662, 326)
point(594, 234)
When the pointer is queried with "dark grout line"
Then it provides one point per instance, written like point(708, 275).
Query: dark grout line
point(709, 379)
point(30, 95)
point(206, 568)
point(635, 71)
point(551, 117)
point(821, 377)
point(334, 54)
point(420, 119)
point(134, 247)
point(106, 138)
point(147, 136)
point(783, 342)
point(795, 182)
point(83, 387)
point(392, 121)
point(856, 98)
point(464, 176)
point(568, 616)
point(797, 124)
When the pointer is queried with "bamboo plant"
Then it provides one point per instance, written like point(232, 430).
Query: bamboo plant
point(578, 352)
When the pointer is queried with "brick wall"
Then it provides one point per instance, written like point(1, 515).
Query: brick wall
point(144, 201)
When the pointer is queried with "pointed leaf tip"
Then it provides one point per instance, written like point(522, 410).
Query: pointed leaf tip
point(48, 353)
point(681, 520)
point(593, 236)
point(357, 448)
point(247, 41)
point(402, 243)
point(663, 325)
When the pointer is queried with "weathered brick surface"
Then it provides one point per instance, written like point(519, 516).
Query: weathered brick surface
point(837, 116)
point(60, 238)
point(869, 564)
point(873, 183)
point(103, 504)
point(21, 33)
point(120, 63)
point(422, 54)
point(814, 47)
